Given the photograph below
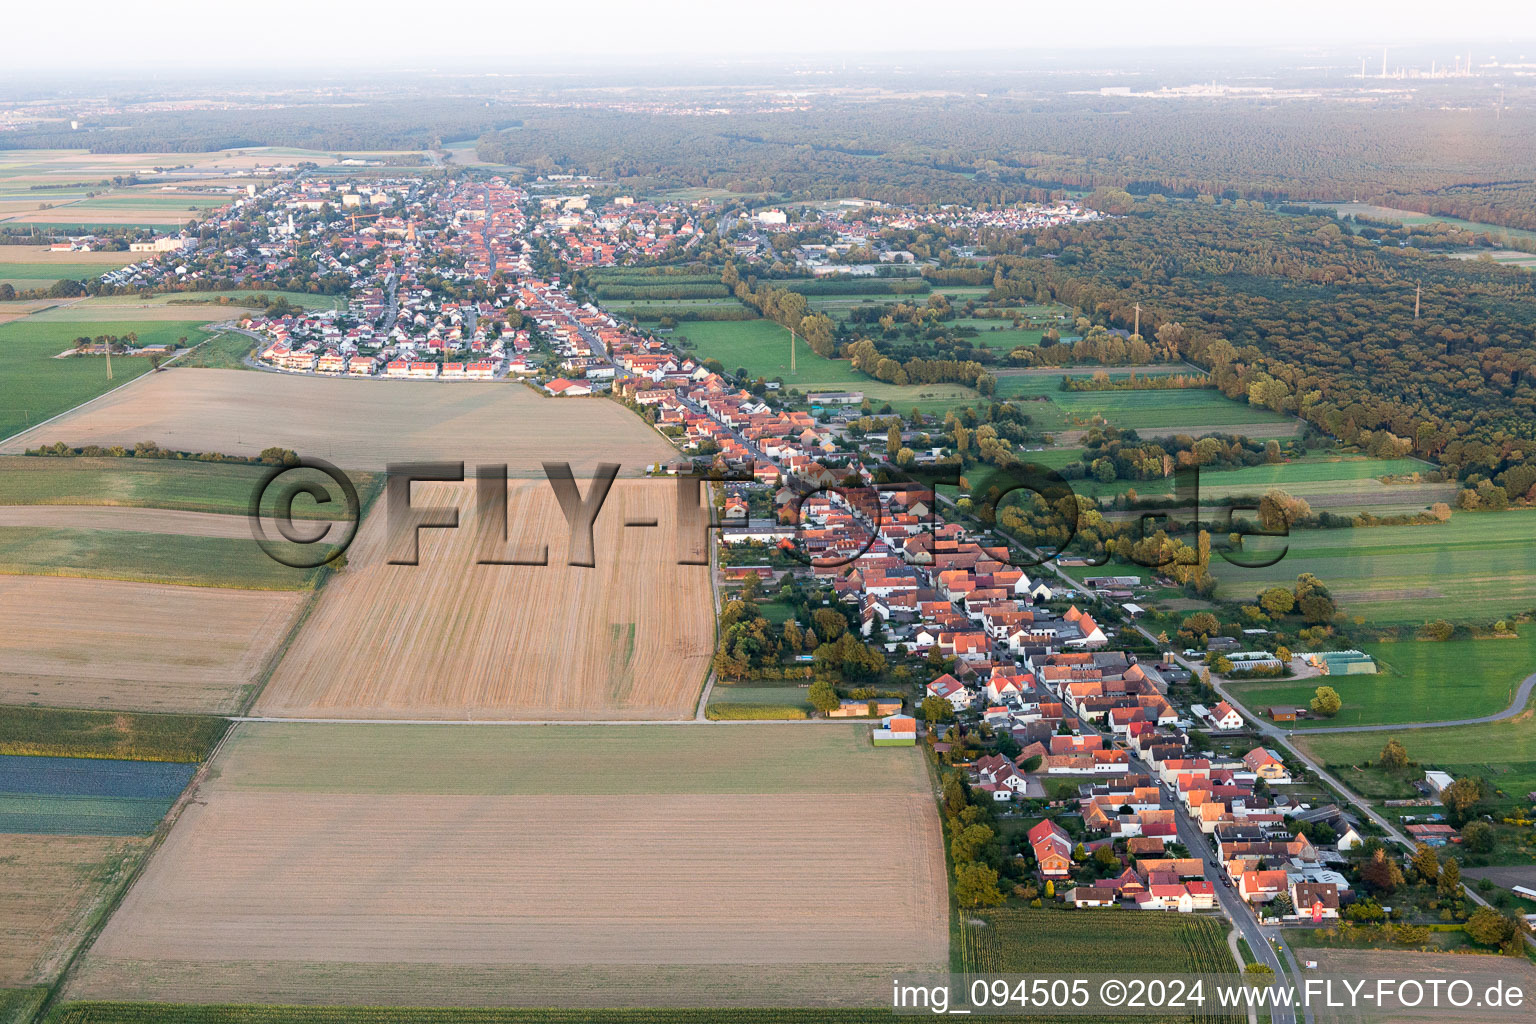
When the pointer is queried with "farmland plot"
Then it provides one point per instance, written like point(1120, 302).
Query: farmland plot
point(538, 885)
point(87, 796)
point(109, 644)
point(360, 424)
point(449, 638)
point(48, 889)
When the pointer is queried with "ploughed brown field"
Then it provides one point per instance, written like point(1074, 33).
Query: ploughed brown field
point(452, 639)
point(135, 646)
point(799, 874)
point(48, 887)
point(360, 424)
point(1369, 966)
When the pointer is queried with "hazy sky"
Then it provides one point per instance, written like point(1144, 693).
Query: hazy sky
point(382, 34)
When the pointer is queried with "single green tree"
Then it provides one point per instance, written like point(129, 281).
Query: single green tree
point(822, 695)
point(976, 886)
point(1327, 701)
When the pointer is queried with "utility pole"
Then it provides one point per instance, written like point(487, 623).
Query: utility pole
point(1137, 331)
point(108, 344)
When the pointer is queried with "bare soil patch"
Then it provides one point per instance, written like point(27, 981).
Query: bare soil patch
point(360, 424)
point(135, 646)
point(48, 888)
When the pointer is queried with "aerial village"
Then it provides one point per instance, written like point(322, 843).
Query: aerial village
point(1146, 797)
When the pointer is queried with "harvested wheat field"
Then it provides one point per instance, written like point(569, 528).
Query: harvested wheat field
point(448, 638)
point(48, 888)
point(135, 646)
point(360, 424)
point(42, 255)
point(1478, 972)
point(309, 885)
point(134, 520)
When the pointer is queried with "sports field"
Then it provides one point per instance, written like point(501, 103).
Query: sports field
point(473, 865)
point(362, 424)
point(449, 638)
point(105, 644)
point(1416, 681)
point(50, 887)
point(1476, 567)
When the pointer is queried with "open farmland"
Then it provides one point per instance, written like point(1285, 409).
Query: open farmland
point(1367, 966)
point(180, 1013)
point(1342, 485)
point(469, 865)
point(50, 887)
point(1417, 681)
point(36, 386)
point(1502, 752)
point(221, 487)
point(147, 545)
point(1052, 939)
point(452, 639)
point(100, 644)
point(87, 796)
point(361, 424)
point(762, 348)
point(1476, 567)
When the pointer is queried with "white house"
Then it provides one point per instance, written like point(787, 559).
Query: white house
point(952, 690)
point(1226, 717)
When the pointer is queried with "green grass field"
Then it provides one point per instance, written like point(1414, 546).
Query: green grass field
point(224, 351)
point(36, 386)
point(60, 732)
point(148, 557)
point(27, 276)
point(513, 760)
point(223, 487)
point(1417, 681)
point(778, 696)
point(69, 814)
point(1152, 413)
point(1341, 484)
point(762, 347)
point(1054, 940)
point(168, 1013)
point(1477, 567)
point(1502, 752)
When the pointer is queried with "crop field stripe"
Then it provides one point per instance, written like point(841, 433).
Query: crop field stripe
point(450, 638)
point(76, 642)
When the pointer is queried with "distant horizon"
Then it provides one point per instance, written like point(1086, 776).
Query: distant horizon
point(181, 38)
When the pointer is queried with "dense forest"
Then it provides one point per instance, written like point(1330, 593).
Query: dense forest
point(975, 150)
point(1298, 315)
